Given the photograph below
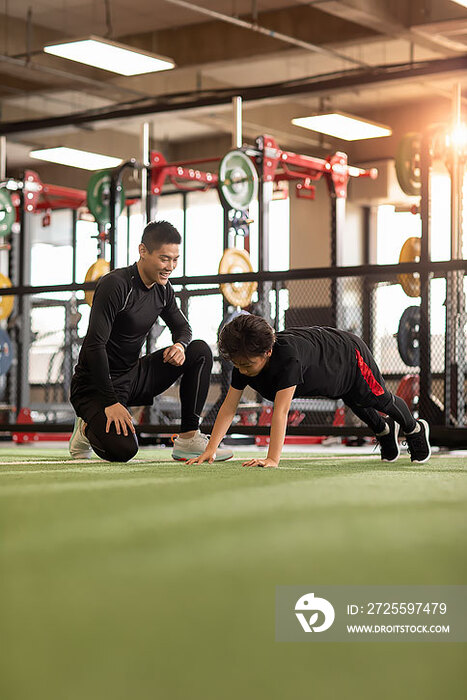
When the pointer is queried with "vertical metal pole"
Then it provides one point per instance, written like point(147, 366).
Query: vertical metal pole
point(24, 310)
point(367, 285)
point(128, 231)
point(237, 138)
point(2, 157)
point(333, 202)
point(340, 206)
point(74, 222)
point(426, 406)
point(184, 297)
point(13, 273)
point(458, 310)
point(145, 159)
point(265, 190)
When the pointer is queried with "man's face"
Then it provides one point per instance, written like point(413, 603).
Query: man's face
point(251, 366)
point(159, 265)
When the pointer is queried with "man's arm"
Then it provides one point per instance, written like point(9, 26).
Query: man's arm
point(108, 300)
point(278, 429)
point(224, 419)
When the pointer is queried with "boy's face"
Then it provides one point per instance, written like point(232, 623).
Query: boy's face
point(251, 366)
point(159, 265)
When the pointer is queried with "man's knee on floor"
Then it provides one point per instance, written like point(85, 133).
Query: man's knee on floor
point(113, 447)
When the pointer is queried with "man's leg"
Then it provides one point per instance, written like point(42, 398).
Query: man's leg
point(110, 446)
point(156, 376)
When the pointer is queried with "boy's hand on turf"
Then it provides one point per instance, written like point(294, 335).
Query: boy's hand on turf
point(205, 457)
point(175, 355)
point(118, 414)
point(267, 462)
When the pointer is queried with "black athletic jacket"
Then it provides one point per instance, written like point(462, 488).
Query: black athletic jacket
point(122, 314)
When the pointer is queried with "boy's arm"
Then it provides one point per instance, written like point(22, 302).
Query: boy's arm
point(278, 427)
point(224, 419)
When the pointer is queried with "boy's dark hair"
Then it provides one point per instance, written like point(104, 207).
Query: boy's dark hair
point(246, 336)
point(157, 233)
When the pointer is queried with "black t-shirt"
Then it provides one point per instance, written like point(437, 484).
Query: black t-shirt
point(122, 314)
point(319, 361)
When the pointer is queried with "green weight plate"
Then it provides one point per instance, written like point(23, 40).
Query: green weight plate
point(7, 212)
point(98, 197)
point(238, 180)
point(408, 163)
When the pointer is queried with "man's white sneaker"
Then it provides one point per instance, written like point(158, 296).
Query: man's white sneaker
point(189, 448)
point(79, 446)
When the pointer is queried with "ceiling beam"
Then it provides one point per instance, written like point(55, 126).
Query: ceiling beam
point(398, 18)
point(196, 99)
point(214, 40)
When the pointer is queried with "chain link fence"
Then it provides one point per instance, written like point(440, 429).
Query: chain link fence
point(46, 338)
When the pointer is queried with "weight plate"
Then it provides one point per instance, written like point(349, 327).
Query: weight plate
point(408, 336)
point(6, 356)
point(410, 252)
point(238, 180)
point(6, 302)
point(408, 163)
point(98, 197)
point(7, 212)
point(97, 270)
point(235, 261)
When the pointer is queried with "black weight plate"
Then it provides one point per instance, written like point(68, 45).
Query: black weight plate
point(408, 335)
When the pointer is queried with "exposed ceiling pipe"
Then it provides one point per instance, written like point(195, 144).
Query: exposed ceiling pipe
point(318, 85)
point(268, 32)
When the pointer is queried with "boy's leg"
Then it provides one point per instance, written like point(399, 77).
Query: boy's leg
point(369, 392)
point(396, 407)
point(386, 430)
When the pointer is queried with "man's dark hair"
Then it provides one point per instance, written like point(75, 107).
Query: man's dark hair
point(157, 233)
point(246, 336)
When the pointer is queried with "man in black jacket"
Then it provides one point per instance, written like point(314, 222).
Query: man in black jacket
point(111, 375)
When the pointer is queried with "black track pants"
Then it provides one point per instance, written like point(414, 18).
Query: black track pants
point(151, 377)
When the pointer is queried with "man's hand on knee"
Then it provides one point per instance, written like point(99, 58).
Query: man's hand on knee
point(118, 414)
point(175, 355)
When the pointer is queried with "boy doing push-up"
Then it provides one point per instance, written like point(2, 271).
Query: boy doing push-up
point(307, 362)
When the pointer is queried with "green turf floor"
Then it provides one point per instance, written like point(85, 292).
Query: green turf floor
point(153, 580)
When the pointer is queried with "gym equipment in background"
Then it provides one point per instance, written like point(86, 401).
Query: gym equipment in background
point(97, 270)
point(98, 197)
point(410, 252)
point(237, 180)
point(237, 261)
point(7, 301)
point(408, 164)
point(408, 336)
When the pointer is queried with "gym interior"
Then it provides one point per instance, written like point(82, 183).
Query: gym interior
point(312, 155)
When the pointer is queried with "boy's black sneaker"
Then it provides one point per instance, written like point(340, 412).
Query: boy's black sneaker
point(389, 445)
point(418, 443)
